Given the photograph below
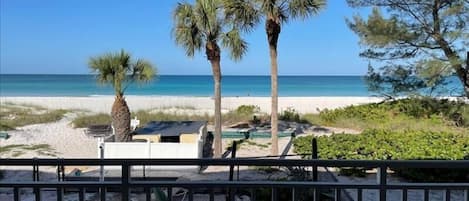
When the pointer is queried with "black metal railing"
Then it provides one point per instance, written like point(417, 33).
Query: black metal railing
point(127, 182)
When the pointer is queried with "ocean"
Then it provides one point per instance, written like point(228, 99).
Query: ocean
point(184, 85)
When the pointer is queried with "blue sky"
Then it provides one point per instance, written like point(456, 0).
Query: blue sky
point(58, 37)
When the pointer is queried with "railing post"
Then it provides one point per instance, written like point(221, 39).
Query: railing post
point(60, 169)
point(36, 190)
point(102, 193)
point(233, 155)
point(274, 194)
point(101, 156)
point(125, 181)
point(314, 150)
point(60, 194)
point(16, 194)
point(37, 194)
point(466, 195)
point(170, 193)
point(293, 194)
point(382, 181)
point(35, 170)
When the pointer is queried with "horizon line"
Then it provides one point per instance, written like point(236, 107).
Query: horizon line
point(298, 75)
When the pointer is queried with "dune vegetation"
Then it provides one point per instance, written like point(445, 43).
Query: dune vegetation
point(406, 129)
point(17, 115)
point(243, 113)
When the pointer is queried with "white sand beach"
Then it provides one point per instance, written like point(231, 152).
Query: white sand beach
point(69, 142)
point(103, 104)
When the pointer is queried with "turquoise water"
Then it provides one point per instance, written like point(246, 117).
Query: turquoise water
point(184, 85)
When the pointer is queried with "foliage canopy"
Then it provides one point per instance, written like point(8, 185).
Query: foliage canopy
point(118, 70)
point(418, 42)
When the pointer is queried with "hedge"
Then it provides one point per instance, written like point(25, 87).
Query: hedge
point(389, 145)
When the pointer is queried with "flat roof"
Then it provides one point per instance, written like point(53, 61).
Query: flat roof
point(170, 128)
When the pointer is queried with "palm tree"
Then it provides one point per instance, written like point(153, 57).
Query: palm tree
point(118, 70)
point(203, 25)
point(275, 12)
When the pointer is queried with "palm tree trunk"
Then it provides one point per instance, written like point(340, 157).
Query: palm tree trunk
point(213, 54)
point(121, 119)
point(217, 94)
point(273, 32)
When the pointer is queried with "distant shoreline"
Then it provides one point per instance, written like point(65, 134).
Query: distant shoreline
point(191, 86)
point(183, 85)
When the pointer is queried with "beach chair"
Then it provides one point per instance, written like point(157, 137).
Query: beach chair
point(98, 130)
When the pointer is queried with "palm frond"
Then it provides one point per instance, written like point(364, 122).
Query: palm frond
point(103, 67)
point(209, 19)
point(281, 13)
point(267, 7)
point(123, 60)
point(206, 21)
point(143, 71)
point(305, 8)
point(118, 69)
point(274, 9)
point(242, 13)
point(186, 31)
point(238, 47)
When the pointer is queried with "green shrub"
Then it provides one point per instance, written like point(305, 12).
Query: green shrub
point(289, 114)
point(425, 107)
point(400, 115)
point(145, 117)
point(244, 113)
point(391, 145)
point(412, 107)
point(247, 109)
point(87, 120)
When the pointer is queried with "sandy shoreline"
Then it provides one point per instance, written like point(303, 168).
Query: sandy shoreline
point(67, 141)
point(70, 142)
point(103, 104)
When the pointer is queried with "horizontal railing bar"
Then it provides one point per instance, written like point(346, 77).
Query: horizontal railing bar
point(259, 162)
point(191, 185)
point(204, 184)
point(434, 186)
point(303, 184)
point(55, 184)
point(251, 184)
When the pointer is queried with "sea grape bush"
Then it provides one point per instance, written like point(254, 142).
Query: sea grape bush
point(453, 111)
point(389, 145)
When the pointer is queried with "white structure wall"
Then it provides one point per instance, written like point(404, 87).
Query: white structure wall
point(149, 150)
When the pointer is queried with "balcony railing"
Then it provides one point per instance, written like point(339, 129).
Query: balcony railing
point(126, 182)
